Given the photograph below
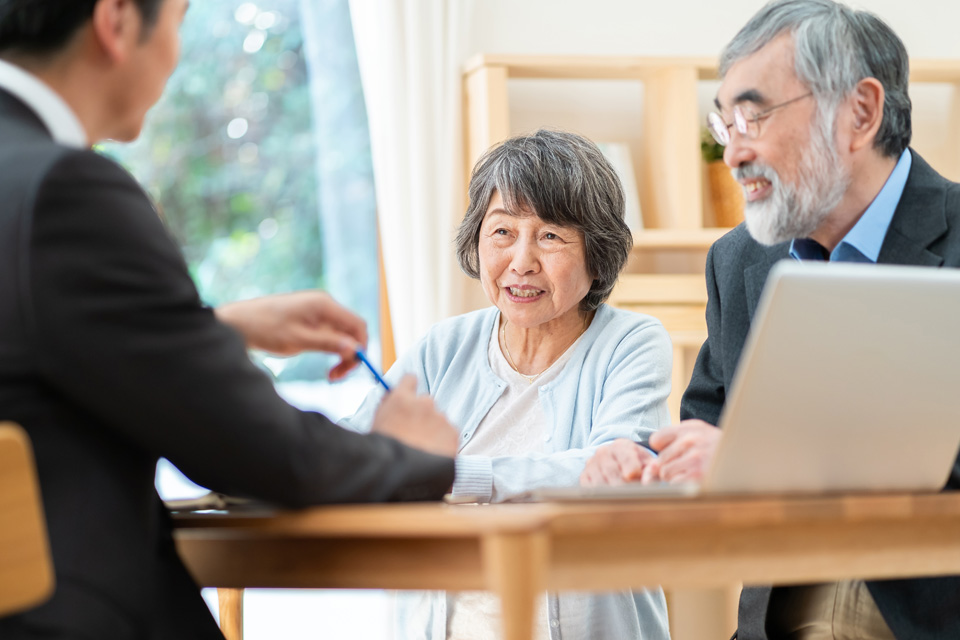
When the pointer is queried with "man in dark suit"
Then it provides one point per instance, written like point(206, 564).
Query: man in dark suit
point(815, 117)
point(109, 359)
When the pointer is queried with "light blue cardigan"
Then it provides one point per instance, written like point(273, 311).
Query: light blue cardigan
point(615, 385)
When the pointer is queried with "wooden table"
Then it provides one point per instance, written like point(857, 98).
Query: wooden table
point(518, 550)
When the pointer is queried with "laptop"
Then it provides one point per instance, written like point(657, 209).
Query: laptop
point(849, 381)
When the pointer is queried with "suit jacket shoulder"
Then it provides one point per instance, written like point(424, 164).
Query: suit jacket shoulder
point(925, 229)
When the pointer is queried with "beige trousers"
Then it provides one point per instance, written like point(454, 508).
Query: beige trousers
point(832, 611)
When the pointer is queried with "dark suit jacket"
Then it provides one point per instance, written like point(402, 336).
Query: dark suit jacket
point(925, 230)
point(109, 360)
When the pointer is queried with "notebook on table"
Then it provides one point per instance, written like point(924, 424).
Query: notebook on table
point(849, 381)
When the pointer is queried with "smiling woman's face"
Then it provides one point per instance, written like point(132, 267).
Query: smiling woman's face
point(535, 272)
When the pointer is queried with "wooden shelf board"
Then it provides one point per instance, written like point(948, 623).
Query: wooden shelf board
point(688, 339)
point(677, 238)
point(660, 288)
point(636, 67)
point(935, 71)
point(588, 67)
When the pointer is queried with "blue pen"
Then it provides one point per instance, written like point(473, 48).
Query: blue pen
point(362, 357)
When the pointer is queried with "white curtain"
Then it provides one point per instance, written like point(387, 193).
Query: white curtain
point(410, 52)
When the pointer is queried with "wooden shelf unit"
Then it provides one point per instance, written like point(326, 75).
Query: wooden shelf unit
point(670, 172)
point(671, 157)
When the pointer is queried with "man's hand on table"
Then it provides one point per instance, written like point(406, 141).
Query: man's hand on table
point(415, 421)
point(291, 323)
point(619, 462)
point(685, 450)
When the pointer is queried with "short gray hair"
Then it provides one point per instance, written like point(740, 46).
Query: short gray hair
point(564, 179)
point(835, 47)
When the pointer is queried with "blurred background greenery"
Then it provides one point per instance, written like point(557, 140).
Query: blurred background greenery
point(258, 157)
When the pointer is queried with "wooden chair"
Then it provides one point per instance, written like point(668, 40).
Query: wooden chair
point(679, 302)
point(26, 568)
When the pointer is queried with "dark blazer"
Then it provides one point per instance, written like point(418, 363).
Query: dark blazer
point(925, 230)
point(109, 361)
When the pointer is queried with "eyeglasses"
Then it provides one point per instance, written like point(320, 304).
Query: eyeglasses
point(745, 120)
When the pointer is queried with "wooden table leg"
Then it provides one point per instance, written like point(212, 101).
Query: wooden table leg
point(231, 613)
point(515, 564)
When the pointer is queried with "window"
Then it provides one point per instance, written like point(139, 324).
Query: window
point(258, 157)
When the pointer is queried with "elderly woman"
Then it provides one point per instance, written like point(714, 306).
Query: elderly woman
point(539, 380)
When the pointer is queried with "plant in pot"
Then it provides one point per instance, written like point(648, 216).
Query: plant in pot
point(726, 194)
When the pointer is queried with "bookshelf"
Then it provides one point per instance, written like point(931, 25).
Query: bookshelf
point(669, 181)
point(670, 174)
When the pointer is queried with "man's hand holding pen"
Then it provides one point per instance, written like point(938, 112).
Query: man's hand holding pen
point(290, 323)
point(415, 421)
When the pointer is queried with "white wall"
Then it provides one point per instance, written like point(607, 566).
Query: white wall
point(929, 28)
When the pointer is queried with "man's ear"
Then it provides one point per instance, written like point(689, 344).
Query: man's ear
point(867, 103)
point(116, 27)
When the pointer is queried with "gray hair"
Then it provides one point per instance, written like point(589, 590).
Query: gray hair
point(835, 47)
point(564, 179)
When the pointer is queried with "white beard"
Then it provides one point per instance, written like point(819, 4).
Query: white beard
point(796, 211)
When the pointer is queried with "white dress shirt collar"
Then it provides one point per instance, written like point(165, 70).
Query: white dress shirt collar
point(56, 115)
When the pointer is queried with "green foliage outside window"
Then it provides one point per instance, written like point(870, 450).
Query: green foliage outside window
point(230, 155)
point(228, 152)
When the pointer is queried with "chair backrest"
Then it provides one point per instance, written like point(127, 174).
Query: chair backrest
point(26, 569)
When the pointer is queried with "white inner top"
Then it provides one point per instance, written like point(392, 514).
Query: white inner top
point(515, 426)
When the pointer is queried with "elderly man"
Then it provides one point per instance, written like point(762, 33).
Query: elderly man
point(815, 116)
point(109, 360)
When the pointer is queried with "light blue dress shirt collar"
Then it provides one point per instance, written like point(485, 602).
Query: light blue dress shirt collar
point(863, 242)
